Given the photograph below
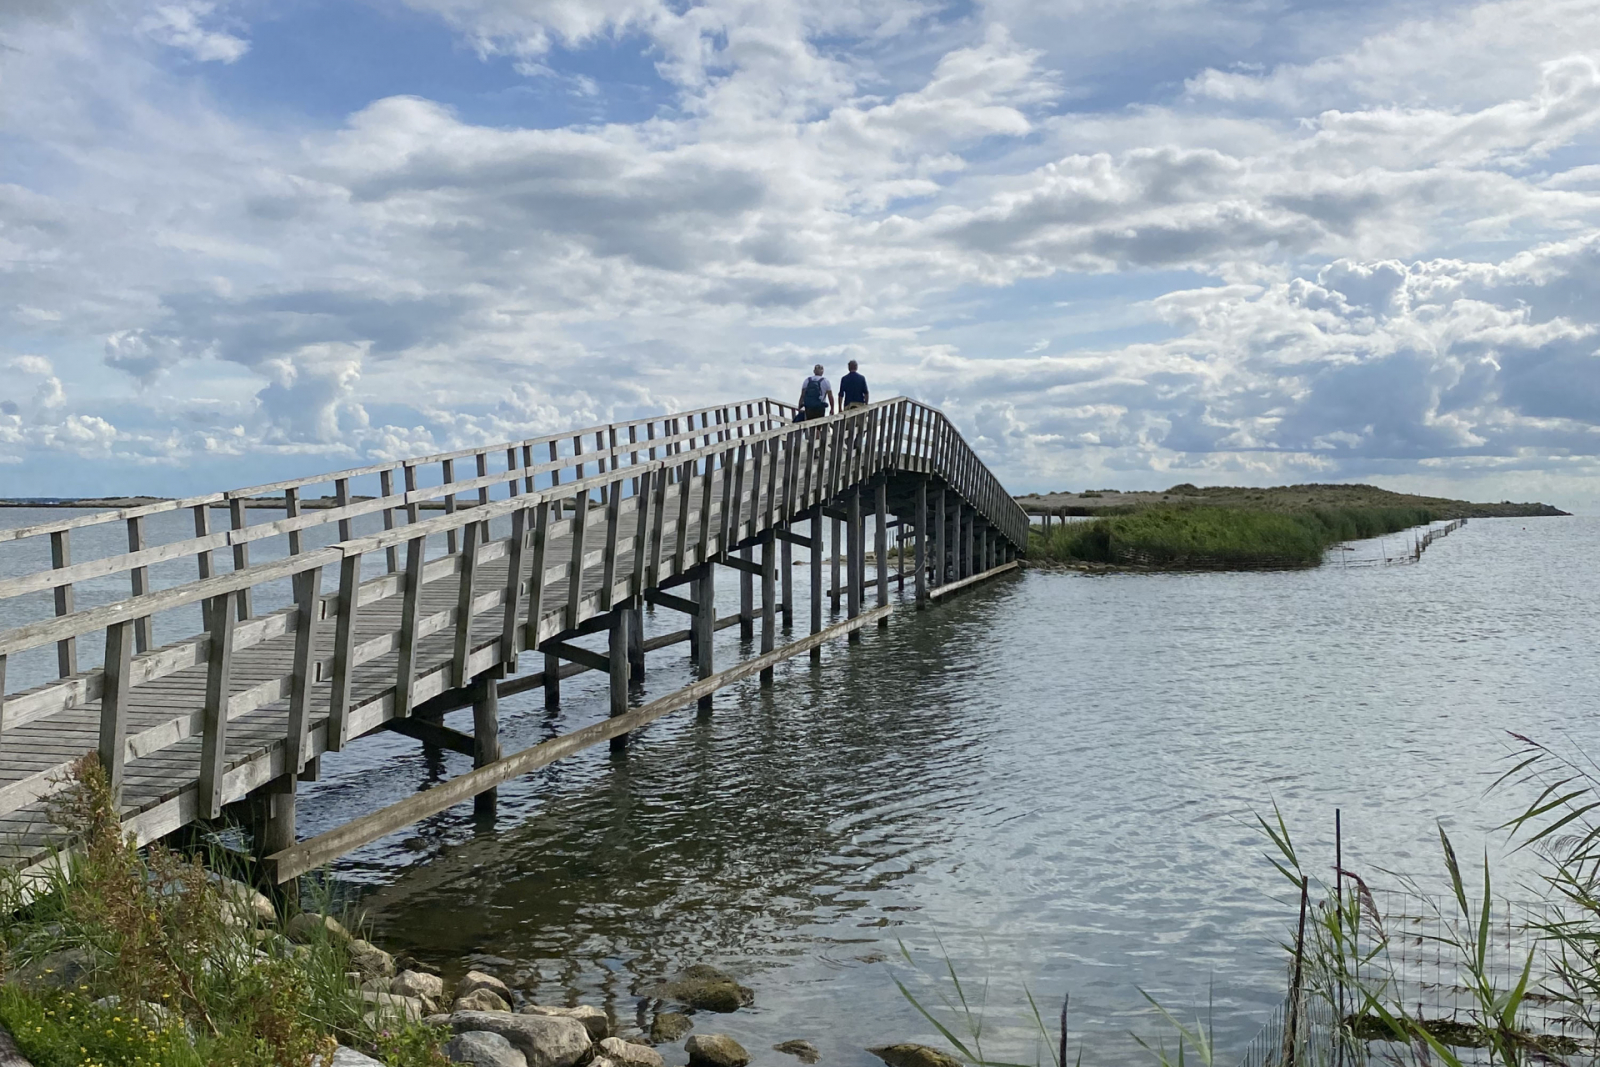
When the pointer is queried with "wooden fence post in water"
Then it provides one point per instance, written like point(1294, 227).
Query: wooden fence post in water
point(747, 593)
point(882, 502)
point(617, 662)
point(940, 526)
point(485, 734)
point(922, 542)
point(769, 575)
point(855, 564)
point(834, 589)
point(705, 625)
point(816, 550)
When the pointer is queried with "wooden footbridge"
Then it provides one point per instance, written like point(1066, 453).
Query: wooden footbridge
point(473, 564)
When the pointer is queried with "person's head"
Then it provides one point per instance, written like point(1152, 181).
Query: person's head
point(817, 370)
point(852, 365)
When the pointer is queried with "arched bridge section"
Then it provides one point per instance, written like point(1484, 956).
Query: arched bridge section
point(244, 634)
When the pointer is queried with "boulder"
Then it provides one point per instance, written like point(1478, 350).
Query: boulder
point(307, 927)
point(715, 1050)
point(249, 901)
point(544, 1040)
point(417, 984)
point(370, 960)
point(626, 1054)
point(804, 1051)
point(479, 980)
point(390, 1006)
point(484, 1049)
point(707, 989)
point(593, 1019)
point(480, 1000)
point(907, 1054)
point(156, 1016)
point(346, 1057)
point(669, 1026)
point(62, 969)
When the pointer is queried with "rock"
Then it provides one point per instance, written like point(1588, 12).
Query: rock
point(370, 960)
point(410, 983)
point(387, 1004)
point(411, 963)
point(479, 980)
point(480, 1000)
point(593, 1019)
point(907, 1054)
point(708, 989)
point(307, 927)
point(346, 1057)
point(668, 1026)
point(251, 901)
point(373, 985)
point(715, 1050)
point(484, 1049)
point(544, 1040)
point(157, 1016)
point(55, 970)
point(804, 1051)
point(626, 1054)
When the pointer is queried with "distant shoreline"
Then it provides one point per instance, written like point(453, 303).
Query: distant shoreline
point(1282, 498)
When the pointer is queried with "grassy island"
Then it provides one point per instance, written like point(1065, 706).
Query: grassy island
point(1235, 528)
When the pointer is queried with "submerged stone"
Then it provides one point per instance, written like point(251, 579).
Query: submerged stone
point(707, 989)
point(715, 1050)
point(669, 1026)
point(908, 1054)
point(804, 1051)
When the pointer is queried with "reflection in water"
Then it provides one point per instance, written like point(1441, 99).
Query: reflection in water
point(1051, 779)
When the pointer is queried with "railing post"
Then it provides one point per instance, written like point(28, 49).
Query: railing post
point(448, 468)
point(464, 595)
point(410, 609)
point(291, 510)
point(308, 605)
point(114, 704)
point(536, 599)
point(580, 522)
point(343, 652)
point(514, 580)
point(139, 585)
point(67, 647)
point(608, 561)
point(219, 686)
point(245, 602)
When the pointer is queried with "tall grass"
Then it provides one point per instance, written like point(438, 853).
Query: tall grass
point(129, 957)
point(1220, 537)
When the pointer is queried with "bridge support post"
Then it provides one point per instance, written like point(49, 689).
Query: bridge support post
point(636, 645)
point(747, 583)
point(856, 563)
point(552, 681)
point(769, 568)
point(272, 816)
point(786, 570)
point(705, 625)
point(617, 657)
point(835, 589)
point(485, 734)
point(922, 542)
point(940, 529)
point(882, 502)
point(983, 547)
point(816, 576)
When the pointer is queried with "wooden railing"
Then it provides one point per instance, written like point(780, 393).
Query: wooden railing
point(712, 462)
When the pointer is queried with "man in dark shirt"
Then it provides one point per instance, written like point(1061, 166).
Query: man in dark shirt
point(853, 389)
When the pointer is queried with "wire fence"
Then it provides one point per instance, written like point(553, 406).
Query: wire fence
point(1415, 956)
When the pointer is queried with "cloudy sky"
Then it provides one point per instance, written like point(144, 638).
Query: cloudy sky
point(1121, 244)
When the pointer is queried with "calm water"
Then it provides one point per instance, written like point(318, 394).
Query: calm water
point(1049, 781)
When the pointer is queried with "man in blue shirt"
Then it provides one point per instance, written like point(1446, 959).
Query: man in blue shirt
point(853, 389)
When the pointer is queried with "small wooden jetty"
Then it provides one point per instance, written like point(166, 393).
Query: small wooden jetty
point(489, 561)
